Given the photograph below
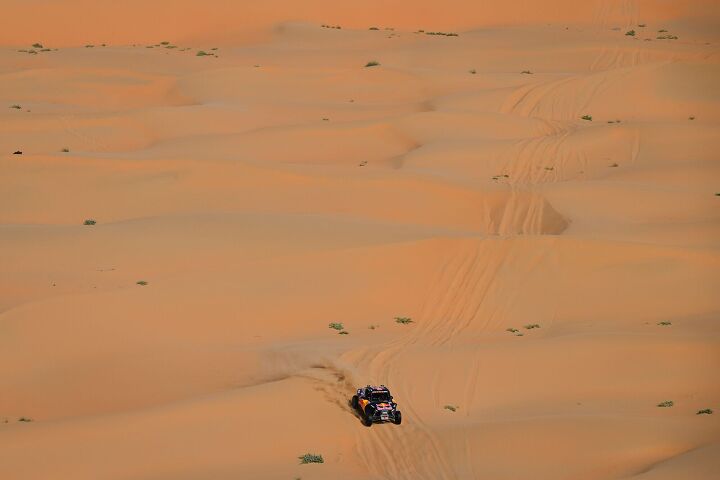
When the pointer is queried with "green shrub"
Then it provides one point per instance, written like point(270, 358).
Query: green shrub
point(165, 43)
point(614, 165)
point(25, 419)
point(587, 117)
point(89, 46)
point(16, 107)
point(664, 323)
point(706, 411)
point(403, 320)
point(373, 28)
point(531, 326)
point(527, 72)
point(473, 71)
point(142, 283)
point(666, 404)
point(630, 33)
point(343, 332)
point(65, 150)
point(89, 221)
point(37, 45)
point(452, 408)
point(336, 326)
point(202, 53)
point(372, 63)
point(311, 458)
point(512, 330)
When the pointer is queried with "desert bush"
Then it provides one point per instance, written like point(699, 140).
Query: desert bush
point(373, 28)
point(16, 107)
point(25, 419)
point(452, 408)
point(630, 33)
point(372, 63)
point(473, 71)
point(587, 117)
point(526, 72)
point(614, 165)
point(89, 221)
point(65, 150)
point(664, 323)
point(202, 53)
point(142, 283)
point(403, 320)
point(512, 330)
point(666, 404)
point(705, 411)
point(37, 45)
point(531, 326)
point(343, 332)
point(336, 326)
point(311, 458)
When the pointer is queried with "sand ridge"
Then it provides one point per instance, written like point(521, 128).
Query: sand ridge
point(560, 272)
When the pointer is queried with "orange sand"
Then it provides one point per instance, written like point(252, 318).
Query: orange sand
point(280, 185)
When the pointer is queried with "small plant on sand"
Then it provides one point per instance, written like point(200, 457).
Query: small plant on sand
point(664, 323)
point(202, 53)
point(526, 72)
point(165, 43)
point(706, 411)
point(343, 332)
point(666, 404)
point(587, 117)
point(642, 25)
point(630, 33)
point(473, 71)
point(16, 107)
point(25, 419)
point(65, 150)
point(530, 326)
point(37, 45)
point(373, 28)
point(372, 63)
point(452, 408)
point(89, 221)
point(549, 169)
point(512, 330)
point(336, 326)
point(89, 45)
point(311, 458)
point(691, 117)
point(403, 320)
point(614, 165)
point(142, 283)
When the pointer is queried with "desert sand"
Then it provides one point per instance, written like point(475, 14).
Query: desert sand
point(245, 199)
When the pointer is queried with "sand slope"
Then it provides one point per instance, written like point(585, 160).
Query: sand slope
point(278, 185)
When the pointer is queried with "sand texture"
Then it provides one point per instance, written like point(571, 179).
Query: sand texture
point(562, 273)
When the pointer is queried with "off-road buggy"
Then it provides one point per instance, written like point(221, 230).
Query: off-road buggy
point(376, 405)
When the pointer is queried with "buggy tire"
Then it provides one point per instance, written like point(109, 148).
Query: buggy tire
point(367, 421)
point(398, 418)
point(354, 402)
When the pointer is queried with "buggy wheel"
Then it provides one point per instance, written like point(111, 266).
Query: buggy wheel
point(355, 402)
point(398, 418)
point(367, 421)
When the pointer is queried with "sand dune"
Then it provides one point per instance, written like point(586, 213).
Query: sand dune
point(560, 271)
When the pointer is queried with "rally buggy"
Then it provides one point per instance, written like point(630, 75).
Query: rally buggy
point(376, 405)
